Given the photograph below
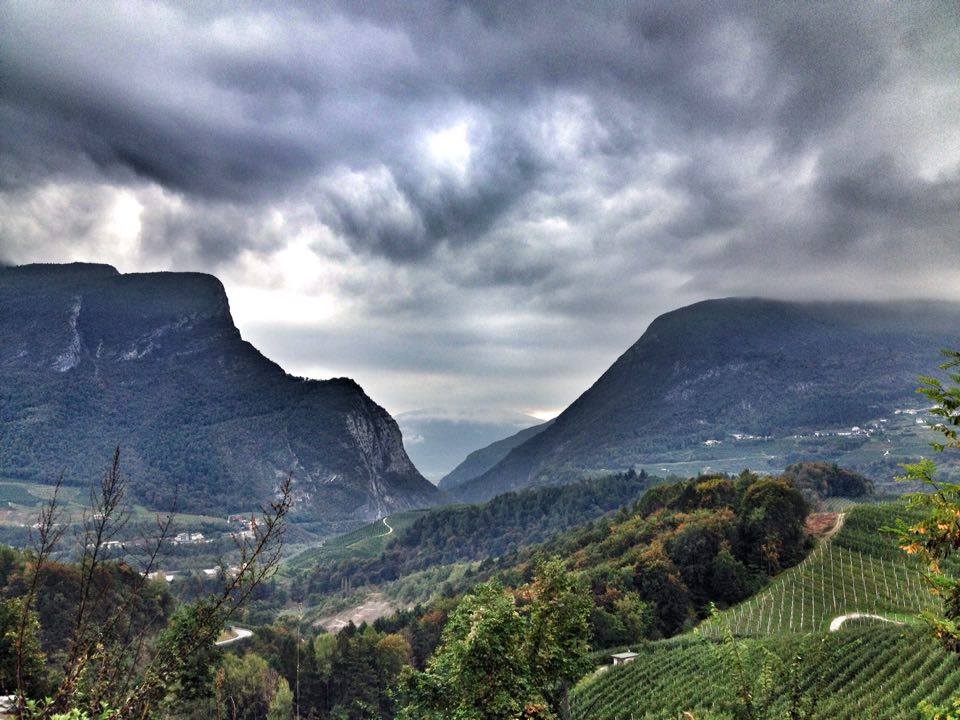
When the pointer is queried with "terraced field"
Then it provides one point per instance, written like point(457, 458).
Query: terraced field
point(869, 671)
point(367, 541)
point(17, 494)
point(858, 570)
point(865, 669)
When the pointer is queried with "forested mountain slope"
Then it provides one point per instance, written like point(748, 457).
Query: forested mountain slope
point(445, 535)
point(743, 382)
point(91, 358)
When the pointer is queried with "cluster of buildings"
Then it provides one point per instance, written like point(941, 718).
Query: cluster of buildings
point(245, 525)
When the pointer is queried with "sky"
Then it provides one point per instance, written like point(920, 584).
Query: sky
point(477, 207)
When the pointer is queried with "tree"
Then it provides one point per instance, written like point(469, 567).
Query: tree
point(936, 536)
point(248, 689)
point(636, 616)
point(506, 655)
point(30, 661)
point(109, 661)
point(557, 634)
point(771, 527)
point(481, 670)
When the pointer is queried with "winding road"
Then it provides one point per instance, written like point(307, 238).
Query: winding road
point(239, 633)
point(838, 621)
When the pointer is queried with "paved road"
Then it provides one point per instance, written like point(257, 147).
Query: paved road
point(239, 633)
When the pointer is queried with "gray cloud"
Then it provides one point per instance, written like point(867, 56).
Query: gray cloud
point(443, 198)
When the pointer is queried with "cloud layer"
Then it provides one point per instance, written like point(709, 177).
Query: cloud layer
point(479, 206)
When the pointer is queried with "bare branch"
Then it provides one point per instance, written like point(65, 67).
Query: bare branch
point(49, 530)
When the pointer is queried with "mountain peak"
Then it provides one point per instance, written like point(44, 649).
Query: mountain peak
point(154, 363)
point(62, 270)
point(720, 378)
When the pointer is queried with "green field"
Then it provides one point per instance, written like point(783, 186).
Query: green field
point(18, 494)
point(860, 569)
point(866, 668)
point(365, 542)
point(891, 441)
point(872, 671)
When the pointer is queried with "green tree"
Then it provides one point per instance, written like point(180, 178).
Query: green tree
point(771, 528)
point(936, 537)
point(636, 615)
point(32, 662)
point(248, 689)
point(481, 670)
point(504, 655)
point(557, 634)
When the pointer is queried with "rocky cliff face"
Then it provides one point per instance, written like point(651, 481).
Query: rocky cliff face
point(91, 358)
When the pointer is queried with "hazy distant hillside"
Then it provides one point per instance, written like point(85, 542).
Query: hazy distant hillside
point(90, 358)
point(479, 461)
point(437, 442)
point(745, 382)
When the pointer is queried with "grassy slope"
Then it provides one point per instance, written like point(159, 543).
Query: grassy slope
point(870, 669)
point(365, 542)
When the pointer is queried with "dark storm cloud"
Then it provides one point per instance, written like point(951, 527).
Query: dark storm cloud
point(246, 106)
point(506, 175)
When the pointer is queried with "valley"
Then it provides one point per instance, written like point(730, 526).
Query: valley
point(878, 448)
point(708, 512)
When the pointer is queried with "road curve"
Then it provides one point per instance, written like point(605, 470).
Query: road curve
point(239, 634)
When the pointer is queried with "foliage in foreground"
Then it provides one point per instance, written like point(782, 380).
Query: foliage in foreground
point(105, 655)
point(504, 655)
point(935, 538)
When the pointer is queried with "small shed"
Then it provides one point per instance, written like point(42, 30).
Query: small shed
point(623, 658)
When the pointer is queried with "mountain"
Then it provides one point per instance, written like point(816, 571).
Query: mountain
point(436, 441)
point(746, 382)
point(479, 461)
point(91, 358)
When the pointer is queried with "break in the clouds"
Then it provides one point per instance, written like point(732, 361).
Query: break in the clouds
point(479, 206)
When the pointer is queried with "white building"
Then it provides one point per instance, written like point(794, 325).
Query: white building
point(624, 657)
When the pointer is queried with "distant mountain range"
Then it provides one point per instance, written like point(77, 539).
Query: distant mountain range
point(91, 358)
point(479, 461)
point(436, 441)
point(736, 383)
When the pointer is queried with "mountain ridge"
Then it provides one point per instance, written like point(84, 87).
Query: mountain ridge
point(736, 366)
point(154, 363)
